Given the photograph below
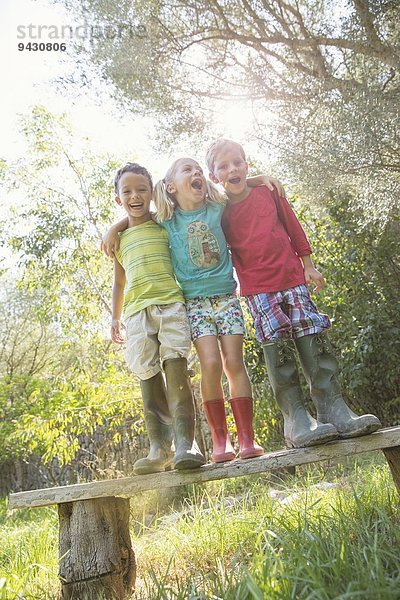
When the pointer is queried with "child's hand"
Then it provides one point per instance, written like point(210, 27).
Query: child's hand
point(313, 276)
point(110, 243)
point(117, 329)
point(270, 182)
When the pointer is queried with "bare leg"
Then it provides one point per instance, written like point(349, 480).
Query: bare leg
point(213, 397)
point(211, 367)
point(233, 364)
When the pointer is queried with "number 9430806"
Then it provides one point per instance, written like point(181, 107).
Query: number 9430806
point(42, 47)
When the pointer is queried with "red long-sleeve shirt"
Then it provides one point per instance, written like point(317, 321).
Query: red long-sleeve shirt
point(266, 241)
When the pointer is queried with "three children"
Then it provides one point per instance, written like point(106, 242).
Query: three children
point(271, 255)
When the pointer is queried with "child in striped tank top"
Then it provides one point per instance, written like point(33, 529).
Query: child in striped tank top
point(158, 336)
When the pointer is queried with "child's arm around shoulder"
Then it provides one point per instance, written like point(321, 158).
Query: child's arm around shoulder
point(117, 302)
point(311, 274)
point(110, 242)
point(270, 182)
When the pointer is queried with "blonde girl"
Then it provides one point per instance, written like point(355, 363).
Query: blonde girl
point(190, 209)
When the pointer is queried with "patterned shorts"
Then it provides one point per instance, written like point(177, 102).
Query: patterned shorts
point(290, 313)
point(216, 315)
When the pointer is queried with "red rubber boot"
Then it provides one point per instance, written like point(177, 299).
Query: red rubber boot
point(216, 417)
point(242, 409)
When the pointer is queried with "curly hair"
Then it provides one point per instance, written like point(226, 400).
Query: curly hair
point(131, 168)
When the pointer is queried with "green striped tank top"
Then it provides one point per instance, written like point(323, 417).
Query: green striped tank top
point(144, 255)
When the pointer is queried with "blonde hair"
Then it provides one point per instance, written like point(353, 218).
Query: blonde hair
point(219, 145)
point(166, 202)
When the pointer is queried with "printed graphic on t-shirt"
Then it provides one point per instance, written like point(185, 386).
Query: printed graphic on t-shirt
point(203, 246)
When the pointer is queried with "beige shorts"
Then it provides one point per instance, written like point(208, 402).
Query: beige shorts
point(154, 335)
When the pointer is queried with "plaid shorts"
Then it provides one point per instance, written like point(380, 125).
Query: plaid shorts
point(215, 315)
point(290, 313)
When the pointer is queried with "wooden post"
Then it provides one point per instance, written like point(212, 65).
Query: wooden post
point(96, 556)
point(393, 457)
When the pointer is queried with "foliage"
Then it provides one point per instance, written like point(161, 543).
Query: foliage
point(59, 377)
point(312, 542)
point(326, 74)
point(46, 415)
point(28, 555)
point(33, 351)
point(362, 266)
point(70, 195)
point(54, 389)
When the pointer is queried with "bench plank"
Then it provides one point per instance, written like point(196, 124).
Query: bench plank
point(129, 486)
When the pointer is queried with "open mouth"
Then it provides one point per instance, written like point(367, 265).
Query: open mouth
point(235, 180)
point(197, 184)
point(138, 205)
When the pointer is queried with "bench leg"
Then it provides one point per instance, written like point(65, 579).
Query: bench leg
point(96, 556)
point(393, 457)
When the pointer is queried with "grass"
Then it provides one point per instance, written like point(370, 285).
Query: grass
point(28, 554)
point(234, 540)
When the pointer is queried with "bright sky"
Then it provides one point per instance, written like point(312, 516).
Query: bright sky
point(26, 79)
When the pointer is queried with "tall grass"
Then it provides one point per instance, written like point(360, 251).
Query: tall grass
point(312, 543)
point(234, 540)
point(28, 554)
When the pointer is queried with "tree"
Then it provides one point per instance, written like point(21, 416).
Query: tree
point(327, 70)
point(60, 377)
point(56, 233)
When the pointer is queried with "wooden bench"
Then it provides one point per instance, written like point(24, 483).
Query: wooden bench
point(96, 555)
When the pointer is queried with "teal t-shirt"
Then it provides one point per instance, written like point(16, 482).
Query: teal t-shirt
point(200, 256)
